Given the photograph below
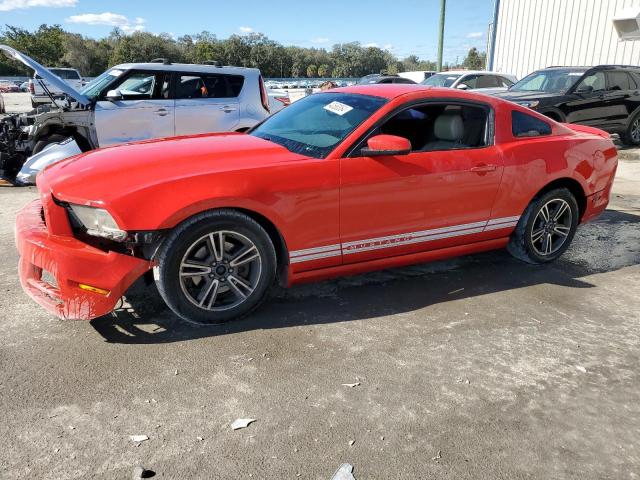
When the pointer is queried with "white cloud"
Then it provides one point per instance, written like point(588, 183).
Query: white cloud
point(110, 19)
point(372, 44)
point(320, 40)
point(246, 29)
point(475, 35)
point(7, 5)
point(388, 46)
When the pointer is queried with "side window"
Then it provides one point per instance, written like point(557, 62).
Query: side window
point(618, 81)
point(195, 85)
point(440, 127)
point(470, 81)
point(144, 86)
point(523, 125)
point(487, 81)
point(592, 83)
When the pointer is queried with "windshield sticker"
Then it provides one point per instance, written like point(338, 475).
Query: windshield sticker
point(575, 74)
point(451, 78)
point(338, 108)
point(115, 73)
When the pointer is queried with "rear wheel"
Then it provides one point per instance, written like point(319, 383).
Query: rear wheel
point(547, 227)
point(632, 135)
point(48, 140)
point(216, 267)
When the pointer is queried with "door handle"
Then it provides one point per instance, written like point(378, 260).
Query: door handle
point(162, 112)
point(484, 168)
point(228, 109)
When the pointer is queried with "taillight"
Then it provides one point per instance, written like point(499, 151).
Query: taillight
point(263, 94)
point(32, 88)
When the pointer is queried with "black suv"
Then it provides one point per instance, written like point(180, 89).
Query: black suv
point(606, 97)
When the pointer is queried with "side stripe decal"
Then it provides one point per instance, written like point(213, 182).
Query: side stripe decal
point(390, 241)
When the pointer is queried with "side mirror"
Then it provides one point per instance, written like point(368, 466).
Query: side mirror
point(113, 95)
point(585, 89)
point(386, 145)
point(462, 86)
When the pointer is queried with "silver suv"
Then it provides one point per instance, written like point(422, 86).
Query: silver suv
point(127, 103)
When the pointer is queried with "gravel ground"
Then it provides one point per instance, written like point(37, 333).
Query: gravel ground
point(477, 368)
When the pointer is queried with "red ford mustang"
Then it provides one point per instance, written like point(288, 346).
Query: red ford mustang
point(339, 183)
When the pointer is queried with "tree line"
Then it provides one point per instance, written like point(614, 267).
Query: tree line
point(51, 45)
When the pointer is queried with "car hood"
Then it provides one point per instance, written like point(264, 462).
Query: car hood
point(45, 74)
point(524, 96)
point(105, 176)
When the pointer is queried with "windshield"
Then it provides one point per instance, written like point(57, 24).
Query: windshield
point(441, 80)
point(549, 81)
point(93, 89)
point(368, 79)
point(314, 125)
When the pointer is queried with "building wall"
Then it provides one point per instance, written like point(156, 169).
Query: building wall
point(534, 34)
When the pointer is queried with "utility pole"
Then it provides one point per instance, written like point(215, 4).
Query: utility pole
point(443, 7)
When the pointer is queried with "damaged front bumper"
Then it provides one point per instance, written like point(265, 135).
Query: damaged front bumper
point(67, 277)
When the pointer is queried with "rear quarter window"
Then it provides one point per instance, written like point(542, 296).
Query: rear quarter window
point(523, 125)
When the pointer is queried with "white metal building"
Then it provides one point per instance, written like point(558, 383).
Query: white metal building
point(533, 34)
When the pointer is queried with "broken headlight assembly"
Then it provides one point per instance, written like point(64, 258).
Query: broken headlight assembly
point(97, 222)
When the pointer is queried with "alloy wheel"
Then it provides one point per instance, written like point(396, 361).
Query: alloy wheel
point(635, 130)
point(220, 270)
point(551, 227)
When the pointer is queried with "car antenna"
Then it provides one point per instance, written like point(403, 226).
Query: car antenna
point(164, 61)
point(215, 63)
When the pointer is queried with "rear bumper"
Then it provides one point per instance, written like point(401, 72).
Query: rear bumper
point(52, 267)
point(596, 204)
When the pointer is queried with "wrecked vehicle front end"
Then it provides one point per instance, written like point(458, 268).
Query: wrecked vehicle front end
point(20, 134)
point(24, 134)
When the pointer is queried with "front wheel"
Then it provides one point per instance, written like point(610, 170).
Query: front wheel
point(215, 267)
point(546, 228)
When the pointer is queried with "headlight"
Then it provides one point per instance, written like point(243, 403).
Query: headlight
point(531, 104)
point(98, 222)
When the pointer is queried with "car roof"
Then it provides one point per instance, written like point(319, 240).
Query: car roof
point(189, 67)
point(474, 72)
point(394, 90)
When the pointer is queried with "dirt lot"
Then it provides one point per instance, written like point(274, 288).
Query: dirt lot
point(476, 368)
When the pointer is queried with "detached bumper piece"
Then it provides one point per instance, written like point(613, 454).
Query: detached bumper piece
point(67, 277)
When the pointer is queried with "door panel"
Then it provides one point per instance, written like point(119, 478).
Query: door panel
point(206, 115)
point(132, 120)
point(588, 105)
point(395, 205)
point(206, 103)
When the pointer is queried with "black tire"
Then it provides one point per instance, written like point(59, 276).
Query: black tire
point(524, 243)
point(48, 140)
point(631, 136)
point(178, 293)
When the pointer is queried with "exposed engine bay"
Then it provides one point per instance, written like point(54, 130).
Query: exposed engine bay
point(24, 134)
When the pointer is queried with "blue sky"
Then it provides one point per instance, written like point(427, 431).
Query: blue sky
point(402, 26)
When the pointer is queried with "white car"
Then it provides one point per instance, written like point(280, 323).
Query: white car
point(39, 96)
point(128, 103)
point(485, 82)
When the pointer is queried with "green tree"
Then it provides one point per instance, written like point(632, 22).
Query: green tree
point(324, 70)
point(475, 60)
point(312, 71)
point(51, 46)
